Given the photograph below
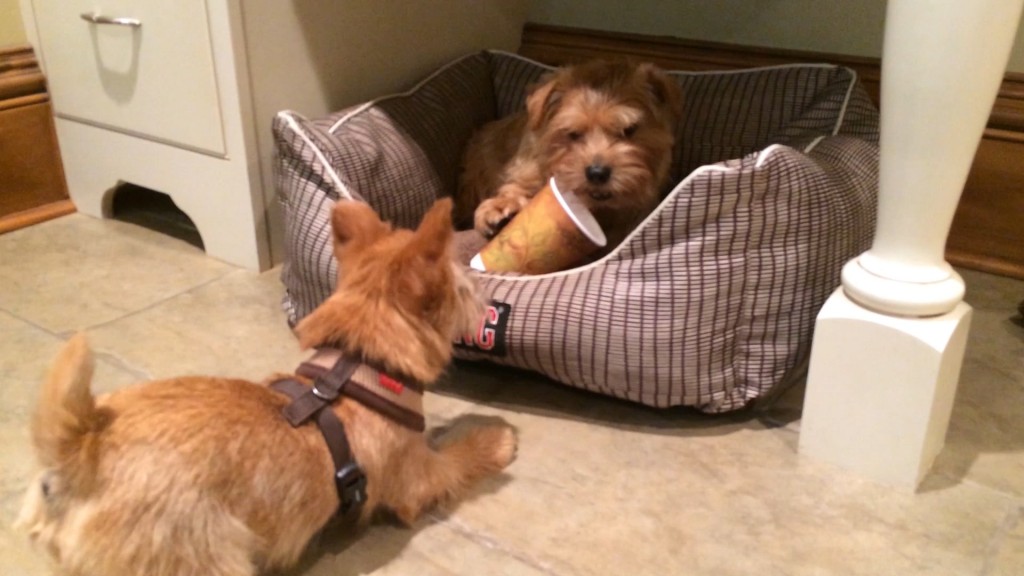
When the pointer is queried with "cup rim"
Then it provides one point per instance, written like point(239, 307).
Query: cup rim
point(581, 217)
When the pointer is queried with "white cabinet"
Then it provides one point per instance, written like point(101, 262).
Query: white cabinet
point(182, 103)
point(134, 66)
point(155, 93)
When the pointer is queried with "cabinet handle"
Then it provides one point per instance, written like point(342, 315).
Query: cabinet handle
point(97, 19)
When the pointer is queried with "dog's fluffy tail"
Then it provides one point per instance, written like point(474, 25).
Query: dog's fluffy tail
point(66, 413)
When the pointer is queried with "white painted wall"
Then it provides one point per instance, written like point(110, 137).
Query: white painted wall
point(851, 27)
point(338, 53)
point(11, 30)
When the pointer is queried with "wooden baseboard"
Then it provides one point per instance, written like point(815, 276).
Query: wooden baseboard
point(988, 230)
point(25, 218)
point(33, 187)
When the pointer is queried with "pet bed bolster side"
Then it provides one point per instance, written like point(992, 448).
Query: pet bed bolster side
point(706, 308)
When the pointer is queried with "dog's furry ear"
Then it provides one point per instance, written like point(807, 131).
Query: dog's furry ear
point(426, 253)
point(355, 222)
point(434, 234)
point(543, 100)
point(665, 90)
point(424, 263)
point(67, 415)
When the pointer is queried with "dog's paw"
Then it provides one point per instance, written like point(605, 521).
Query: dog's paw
point(493, 213)
point(487, 442)
point(503, 442)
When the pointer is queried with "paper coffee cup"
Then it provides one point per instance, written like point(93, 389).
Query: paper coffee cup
point(552, 232)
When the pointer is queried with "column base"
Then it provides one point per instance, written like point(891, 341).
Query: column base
point(938, 294)
point(880, 389)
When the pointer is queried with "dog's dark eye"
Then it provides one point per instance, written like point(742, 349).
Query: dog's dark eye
point(575, 135)
point(628, 131)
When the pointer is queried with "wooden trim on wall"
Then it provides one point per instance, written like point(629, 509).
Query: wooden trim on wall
point(558, 45)
point(34, 187)
point(35, 215)
point(988, 230)
point(20, 74)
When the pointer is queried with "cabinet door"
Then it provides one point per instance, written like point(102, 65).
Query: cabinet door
point(154, 80)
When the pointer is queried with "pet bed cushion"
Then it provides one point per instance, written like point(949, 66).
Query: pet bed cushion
point(709, 303)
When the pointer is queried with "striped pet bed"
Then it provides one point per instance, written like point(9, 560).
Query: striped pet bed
point(709, 303)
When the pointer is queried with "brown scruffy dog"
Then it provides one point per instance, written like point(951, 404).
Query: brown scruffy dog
point(202, 475)
point(603, 129)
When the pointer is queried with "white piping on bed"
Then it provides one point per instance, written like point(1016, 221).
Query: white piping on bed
point(408, 92)
point(289, 117)
point(842, 111)
point(439, 71)
point(695, 72)
point(364, 106)
point(807, 149)
point(846, 102)
point(764, 153)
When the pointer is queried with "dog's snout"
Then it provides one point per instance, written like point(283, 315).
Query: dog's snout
point(598, 173)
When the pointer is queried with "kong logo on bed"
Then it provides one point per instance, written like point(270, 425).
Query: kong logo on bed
point(489, 337)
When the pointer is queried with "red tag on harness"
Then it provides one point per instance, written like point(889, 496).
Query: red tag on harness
point(390, 384)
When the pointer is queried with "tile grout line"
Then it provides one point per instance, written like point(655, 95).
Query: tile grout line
point(489, 542)
point(68, 333)
point(20, 318)
point(113, 359)
point(998, 540)
point(121, 363)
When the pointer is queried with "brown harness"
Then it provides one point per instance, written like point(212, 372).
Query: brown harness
point(334, 376)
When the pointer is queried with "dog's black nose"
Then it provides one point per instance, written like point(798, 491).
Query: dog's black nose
point(598, 173)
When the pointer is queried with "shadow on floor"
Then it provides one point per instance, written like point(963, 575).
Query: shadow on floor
point(523, 391)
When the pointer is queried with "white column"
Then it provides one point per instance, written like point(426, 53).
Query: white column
point(889, 344)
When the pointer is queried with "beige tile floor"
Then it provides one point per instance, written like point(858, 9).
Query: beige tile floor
point(600, 487)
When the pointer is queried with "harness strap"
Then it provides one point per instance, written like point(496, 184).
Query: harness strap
point(349, 478)
point(327, 386)
point(363, 387)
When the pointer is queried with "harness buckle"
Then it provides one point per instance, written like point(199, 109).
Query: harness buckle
point(328, 386)
point(323, 392)
point(351, 484)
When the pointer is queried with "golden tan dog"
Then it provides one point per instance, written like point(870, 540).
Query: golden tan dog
point(202, 475)
point(603, 129)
